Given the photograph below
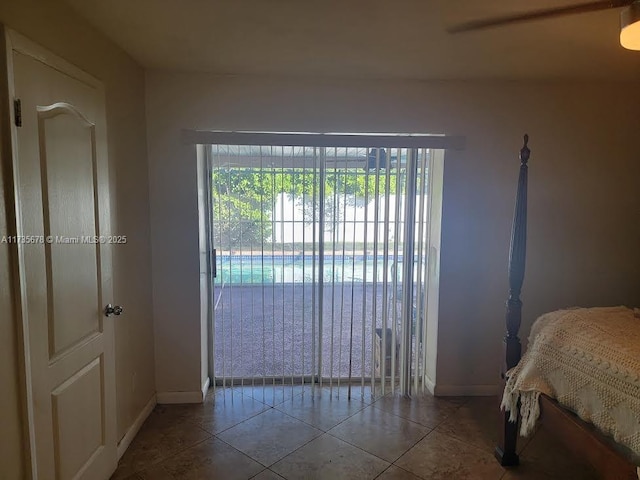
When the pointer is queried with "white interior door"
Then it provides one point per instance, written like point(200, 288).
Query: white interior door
point(62, 202)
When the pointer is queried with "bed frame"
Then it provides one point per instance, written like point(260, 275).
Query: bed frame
point(579, 436)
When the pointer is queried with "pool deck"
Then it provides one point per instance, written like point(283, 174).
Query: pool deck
point(268, 330)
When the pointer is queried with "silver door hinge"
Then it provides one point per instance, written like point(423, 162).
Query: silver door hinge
point(17, 112)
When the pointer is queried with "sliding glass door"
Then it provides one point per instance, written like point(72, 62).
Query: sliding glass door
point(321, 263)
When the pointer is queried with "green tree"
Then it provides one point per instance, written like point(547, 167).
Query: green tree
point(345, 187)
point(244, 198)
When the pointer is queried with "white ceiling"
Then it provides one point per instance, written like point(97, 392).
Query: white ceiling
point(362, 38)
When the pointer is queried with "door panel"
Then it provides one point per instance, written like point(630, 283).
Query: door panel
point(67, 147)
point(62, 192)
point(78, 412)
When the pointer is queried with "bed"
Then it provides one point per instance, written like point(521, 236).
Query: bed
point(580, 377)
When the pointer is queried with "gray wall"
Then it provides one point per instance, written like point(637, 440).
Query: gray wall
point(583, 224)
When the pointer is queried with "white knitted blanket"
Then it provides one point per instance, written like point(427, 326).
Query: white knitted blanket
point(588, 359)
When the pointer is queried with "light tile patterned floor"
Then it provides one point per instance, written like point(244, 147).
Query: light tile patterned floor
point(299, 433)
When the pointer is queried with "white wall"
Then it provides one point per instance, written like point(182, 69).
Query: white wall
point(56, 27)
point(584, 227)
point(288, 220)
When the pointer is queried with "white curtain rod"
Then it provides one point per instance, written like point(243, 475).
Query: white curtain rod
point(206, 137)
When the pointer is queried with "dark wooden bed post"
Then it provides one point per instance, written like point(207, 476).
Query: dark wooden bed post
point(506, 449)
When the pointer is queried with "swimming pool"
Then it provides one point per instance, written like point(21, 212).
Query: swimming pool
point(257, 270)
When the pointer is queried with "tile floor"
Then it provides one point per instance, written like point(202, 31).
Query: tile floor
point(298, 433)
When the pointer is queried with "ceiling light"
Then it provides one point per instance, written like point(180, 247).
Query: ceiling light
point(630, 27)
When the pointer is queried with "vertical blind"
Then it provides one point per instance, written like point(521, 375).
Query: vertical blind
point(321, 261)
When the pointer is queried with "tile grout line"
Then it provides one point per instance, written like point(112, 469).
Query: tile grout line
point(461, 441)
point(266, 467)
point(241, 421)
point(292, 452)
point(275, 407)
point(175, 454)
point(211, 435)
point(235, 424)
point(413, 421)
point(364, 404)
point(299, 420)
point(318, 428)
point(274, 404)
point(382, 472)
point(403, 469)
point(391, 462)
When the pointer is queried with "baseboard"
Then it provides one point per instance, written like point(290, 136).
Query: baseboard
point(184, 397)
point(205, 388)
point(464, 390)
point(179, 397)
point(431, 387)
point(135, 427)
point(165, 398)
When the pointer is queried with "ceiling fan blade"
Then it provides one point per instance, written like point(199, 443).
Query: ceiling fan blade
point(538, 15)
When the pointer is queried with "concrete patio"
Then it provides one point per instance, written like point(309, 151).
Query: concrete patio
point(266, 330)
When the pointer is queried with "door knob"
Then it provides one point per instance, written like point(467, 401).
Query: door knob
point(112, 310)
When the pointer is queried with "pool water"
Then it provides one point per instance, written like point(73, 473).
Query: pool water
point(246, 270)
